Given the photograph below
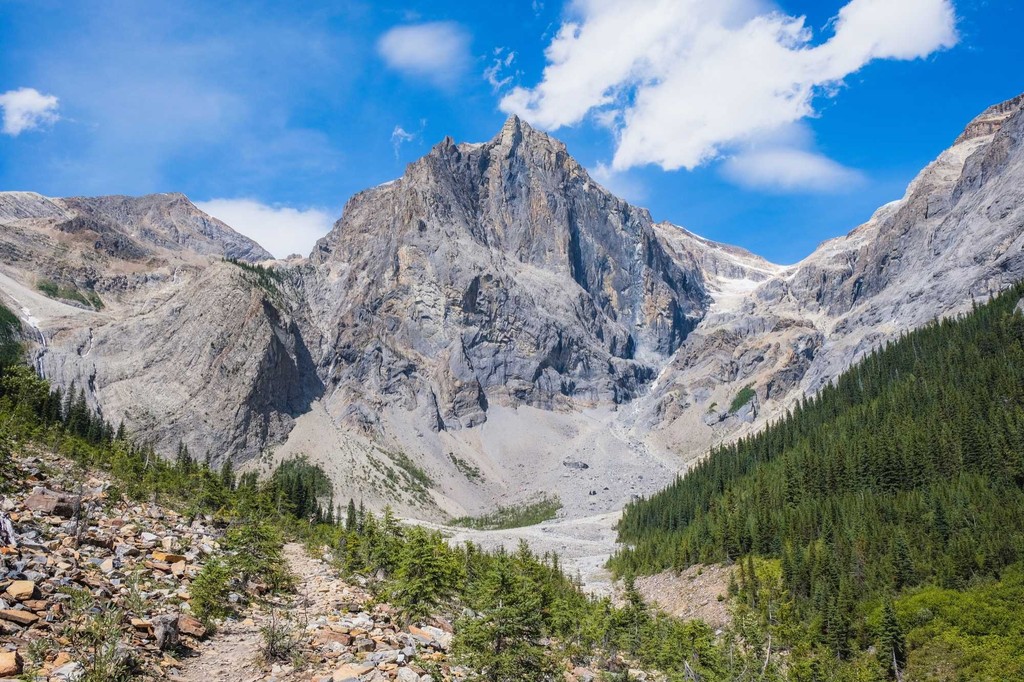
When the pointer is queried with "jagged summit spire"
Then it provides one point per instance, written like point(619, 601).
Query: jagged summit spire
point(515, 136)
point(513, 122)
point(515, 125)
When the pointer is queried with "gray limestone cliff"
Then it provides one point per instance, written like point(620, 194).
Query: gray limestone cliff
point(499, 271)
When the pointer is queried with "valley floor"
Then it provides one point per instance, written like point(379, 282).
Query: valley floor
point(583, 545)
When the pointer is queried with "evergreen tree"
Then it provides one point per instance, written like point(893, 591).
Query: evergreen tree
point(427, 575)
point(351, 522)
point(503, 642)
point(893, 646)
point(902, 568)
point(227, 473)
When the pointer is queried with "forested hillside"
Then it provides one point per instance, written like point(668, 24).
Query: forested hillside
point(907, 472)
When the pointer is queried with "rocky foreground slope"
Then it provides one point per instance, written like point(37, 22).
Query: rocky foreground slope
point(68, 549)
point(494, 323)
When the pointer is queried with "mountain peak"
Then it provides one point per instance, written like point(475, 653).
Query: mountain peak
point(514, 123)
point(515, 131)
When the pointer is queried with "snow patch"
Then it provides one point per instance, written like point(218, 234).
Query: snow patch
point(731, 293)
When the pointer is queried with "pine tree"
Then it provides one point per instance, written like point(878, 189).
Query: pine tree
point(503, 642)
point(902, 567)
point(633, 618)
point(893, 648)
point(753, 585)
point(427, 575)
point(227, 474)
point(350, 517)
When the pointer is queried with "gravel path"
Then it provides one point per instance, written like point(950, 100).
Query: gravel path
point(233, 652)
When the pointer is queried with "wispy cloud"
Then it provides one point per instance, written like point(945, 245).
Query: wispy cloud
point(27, 109)
point(400, 136)
point(437, 52)
point(282, 230)
point(786, 160)
point(501, 63)
point(790, 170)
point(684, 82)
point(619, 183)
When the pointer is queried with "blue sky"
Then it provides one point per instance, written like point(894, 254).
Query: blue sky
point(772, 125)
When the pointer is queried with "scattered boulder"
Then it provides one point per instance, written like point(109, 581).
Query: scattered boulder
point(10, 663)
point(8, 537)
point(165, 629)
point(187, 625)
point(22, 590)
point(407, 675)
point(167, 557)
point(19, 617)
point(584, 675)
point(51, 503)
point(351, 672)
point(69, 672)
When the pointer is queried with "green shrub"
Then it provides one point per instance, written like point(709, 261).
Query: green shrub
point(282, 640)
point(471, 472)
point(95, 635)
point(745, 395)
point(70, 293)
point(254, 556)
point(210, 592)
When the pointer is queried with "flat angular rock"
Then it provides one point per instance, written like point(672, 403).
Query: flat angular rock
point(49, 502)
point(187, 625)
point(351, 672)
point(407, 675)
point(167, 557)
point(10, 663)
point(69, 672)
point(325, 638)
point(22, 590)
point(19, 617)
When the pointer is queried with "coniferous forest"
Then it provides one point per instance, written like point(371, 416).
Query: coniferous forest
point(879, 525)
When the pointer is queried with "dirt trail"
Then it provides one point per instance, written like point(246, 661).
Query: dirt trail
point(233, 653)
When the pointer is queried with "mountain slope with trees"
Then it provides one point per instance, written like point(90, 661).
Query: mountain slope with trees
point(906, 473)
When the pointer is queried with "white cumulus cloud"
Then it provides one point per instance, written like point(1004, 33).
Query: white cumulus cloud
point(282, 230)
point(437, 52)
point(27, 109)
point(683, 82)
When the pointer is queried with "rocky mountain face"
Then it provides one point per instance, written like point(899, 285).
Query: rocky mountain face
point(493, 323)
point(130, 300)
point(956, 236)
point(490, 272)
point(132, 229)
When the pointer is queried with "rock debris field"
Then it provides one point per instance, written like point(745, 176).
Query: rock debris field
point(66, 544)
